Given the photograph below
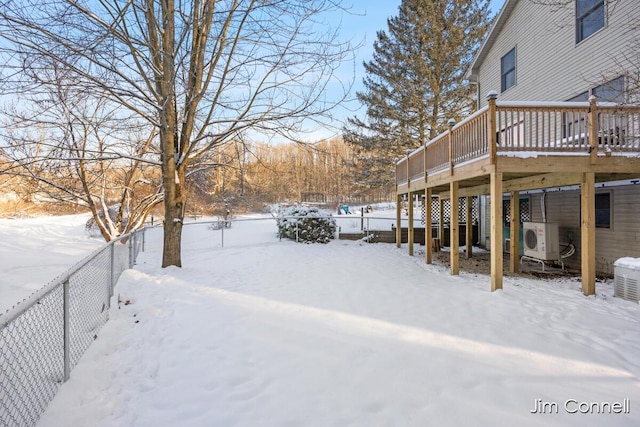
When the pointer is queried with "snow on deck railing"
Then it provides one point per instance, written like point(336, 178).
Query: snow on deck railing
point(537, 128)
point(43, 337)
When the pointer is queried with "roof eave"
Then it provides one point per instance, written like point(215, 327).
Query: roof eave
point(500, 20)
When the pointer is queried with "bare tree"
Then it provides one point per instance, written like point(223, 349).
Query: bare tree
point(196, 72)
point(78, 149)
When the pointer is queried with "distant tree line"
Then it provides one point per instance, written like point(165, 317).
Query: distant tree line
point(240, 176)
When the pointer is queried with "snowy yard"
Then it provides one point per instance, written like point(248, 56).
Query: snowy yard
point(265, 332)
point(34, 251)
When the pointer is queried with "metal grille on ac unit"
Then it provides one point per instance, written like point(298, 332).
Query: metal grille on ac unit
point(626, 273)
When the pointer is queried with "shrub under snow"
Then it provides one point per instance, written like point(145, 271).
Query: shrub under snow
point(91, 227)
point(312, 224)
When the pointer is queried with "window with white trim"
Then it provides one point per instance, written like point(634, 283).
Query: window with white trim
point(589, 18)
point(611, 91)
point(508, 70)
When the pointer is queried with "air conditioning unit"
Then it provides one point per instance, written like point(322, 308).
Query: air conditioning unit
point(626, 273)
point(541, 240)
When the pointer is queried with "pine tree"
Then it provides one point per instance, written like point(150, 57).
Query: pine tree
point(415, 82)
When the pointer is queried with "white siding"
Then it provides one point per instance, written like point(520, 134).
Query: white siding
point(549, 64)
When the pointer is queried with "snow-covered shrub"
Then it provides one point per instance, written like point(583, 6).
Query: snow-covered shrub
point(91, 227)
point(312, 224)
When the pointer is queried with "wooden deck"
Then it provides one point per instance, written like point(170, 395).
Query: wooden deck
point(508, 147)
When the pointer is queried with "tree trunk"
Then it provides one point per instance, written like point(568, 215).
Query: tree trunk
point(174, 208)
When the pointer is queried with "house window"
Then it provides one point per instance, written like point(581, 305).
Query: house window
point(603, 210)
point(574, 125)
point(589, 18)
point(508, 70)
point(611, 91)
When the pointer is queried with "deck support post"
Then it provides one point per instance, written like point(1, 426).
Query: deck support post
point(496, 231)
point(514, 227)
point(441, 221)
point(410, 226)
point(588, 233)
point(399, 220)
point(428, 238)
point(469, 228)
point(454, 240)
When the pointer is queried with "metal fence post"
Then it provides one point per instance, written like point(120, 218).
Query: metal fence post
point(130, 243)
point(66, 329)
point(111, 270)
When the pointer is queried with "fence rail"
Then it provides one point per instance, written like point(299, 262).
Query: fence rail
point(43, 337)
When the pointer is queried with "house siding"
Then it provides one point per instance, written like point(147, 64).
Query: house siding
point(550, 66)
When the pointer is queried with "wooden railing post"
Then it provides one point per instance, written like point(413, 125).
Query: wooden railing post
point(408, 152)
point(492, 97)
point(593, 130)
point(451, 123)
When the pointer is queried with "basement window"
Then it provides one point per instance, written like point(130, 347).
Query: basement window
point(603, 210)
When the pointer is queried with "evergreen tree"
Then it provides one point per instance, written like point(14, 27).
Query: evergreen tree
point(415, 82)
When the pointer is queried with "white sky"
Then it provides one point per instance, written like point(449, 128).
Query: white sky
point(265, 332)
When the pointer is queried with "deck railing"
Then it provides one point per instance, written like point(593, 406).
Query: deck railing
point(573, 128)
point(416, 164)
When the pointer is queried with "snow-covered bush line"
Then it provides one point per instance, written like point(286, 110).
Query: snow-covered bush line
point(306, 224)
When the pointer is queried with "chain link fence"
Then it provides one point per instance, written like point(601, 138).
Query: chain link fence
point(43, 337)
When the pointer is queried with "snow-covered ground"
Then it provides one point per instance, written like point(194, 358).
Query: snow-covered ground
point(263, 332)
point(34, 251)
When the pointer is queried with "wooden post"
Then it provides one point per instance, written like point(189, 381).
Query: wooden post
point(469, 230)
point(441, 221)
point(410, 226)
point(428, 238)
point(492, 97)
point(514, 226)
point(593, 130)
point(454, 240)
point(496, 230)
point(398, 220)
point(588, 233)
point(451, 123)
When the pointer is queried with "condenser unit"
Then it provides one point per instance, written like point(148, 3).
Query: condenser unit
point(541, 240)
point(626, 272)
